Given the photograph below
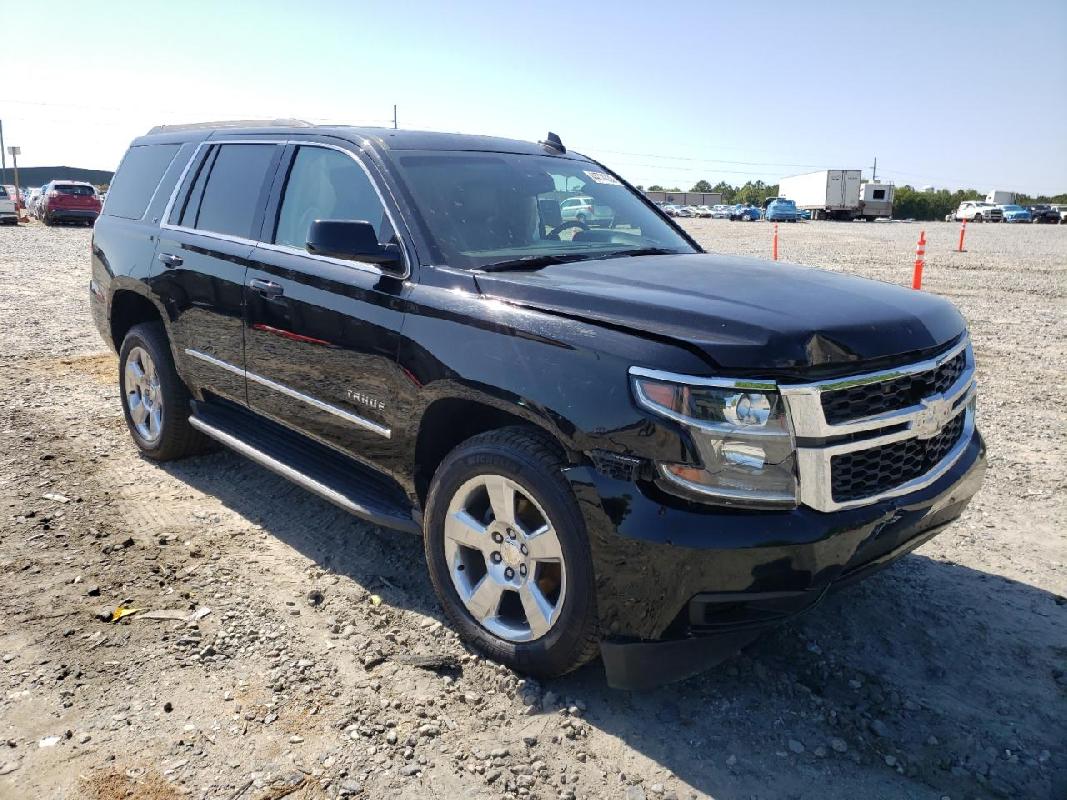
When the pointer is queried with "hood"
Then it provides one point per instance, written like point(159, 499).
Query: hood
point(742, 313)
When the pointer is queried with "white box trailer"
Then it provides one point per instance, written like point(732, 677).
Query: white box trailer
point(876, 200)
point(999, 198)
point(828, 193)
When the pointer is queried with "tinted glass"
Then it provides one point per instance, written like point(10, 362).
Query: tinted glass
point(233, 191)
point(326, 184)
point(75, 190)
point(136, 181)
point(493, 207)
point(3, 192)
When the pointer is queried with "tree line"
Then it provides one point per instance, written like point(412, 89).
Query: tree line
point(908, 202)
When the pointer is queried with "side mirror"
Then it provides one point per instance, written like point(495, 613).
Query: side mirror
point(351, 240)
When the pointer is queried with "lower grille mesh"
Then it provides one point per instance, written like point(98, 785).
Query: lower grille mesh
point(868, 472)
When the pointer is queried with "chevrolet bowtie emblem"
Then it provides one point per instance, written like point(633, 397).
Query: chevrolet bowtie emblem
point(929, 422)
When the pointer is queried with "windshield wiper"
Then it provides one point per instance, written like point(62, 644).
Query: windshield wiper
point(535, 262)
point(646, 251)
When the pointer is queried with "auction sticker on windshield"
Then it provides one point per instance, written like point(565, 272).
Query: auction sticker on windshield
point(603, 177)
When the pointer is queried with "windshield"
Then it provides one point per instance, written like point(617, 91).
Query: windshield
point(491, 208)
point(1012, 208)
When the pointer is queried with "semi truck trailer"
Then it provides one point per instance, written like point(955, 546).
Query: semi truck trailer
point(838, 194)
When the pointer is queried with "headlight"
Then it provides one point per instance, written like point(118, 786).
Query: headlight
point(741, 433)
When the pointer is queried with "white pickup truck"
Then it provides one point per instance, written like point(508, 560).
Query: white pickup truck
point(979, 211)
point(8, 214)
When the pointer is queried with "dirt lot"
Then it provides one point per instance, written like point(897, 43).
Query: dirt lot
point(945, 675)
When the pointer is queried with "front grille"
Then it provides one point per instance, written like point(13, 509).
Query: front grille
point(868, 400)
point(864, 473)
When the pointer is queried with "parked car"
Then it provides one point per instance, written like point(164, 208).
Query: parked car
point(804, 213)
point(978, 211)
point(33, 197)
point(1062, 209)
point(1044, 213)
point(744, 213)
point(69, 201)
point(609, 441)
point(8, 212)
point(15, 196)
point(578, 209)
point(720, 211)
point(703, 211)
point(781, 210)
point(1013, 213)
point(684, 211)
point(670, 209)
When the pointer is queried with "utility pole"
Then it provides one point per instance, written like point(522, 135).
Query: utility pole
point(3, 155)
point(14, 151)
point(874, 171)
point(394, 116)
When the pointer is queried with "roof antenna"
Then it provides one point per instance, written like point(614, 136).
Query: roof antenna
point(553, 142)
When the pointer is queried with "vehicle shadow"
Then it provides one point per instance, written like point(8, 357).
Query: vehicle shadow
point(930, 677)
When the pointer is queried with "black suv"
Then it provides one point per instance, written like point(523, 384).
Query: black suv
point(1044, 213)
point(609, 440)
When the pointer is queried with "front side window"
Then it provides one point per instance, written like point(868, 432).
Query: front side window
point(487, 208)
point(227, 190)
point(326, 184)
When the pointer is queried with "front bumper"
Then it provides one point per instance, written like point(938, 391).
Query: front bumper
point(681, 587)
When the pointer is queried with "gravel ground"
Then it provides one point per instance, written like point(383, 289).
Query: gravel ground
point(281, 667)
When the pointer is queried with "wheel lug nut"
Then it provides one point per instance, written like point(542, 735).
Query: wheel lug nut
point(523, 549)
point(497, 538)
point(522, 570)
point(509, 573)
point(511, 533)
point(495, 557)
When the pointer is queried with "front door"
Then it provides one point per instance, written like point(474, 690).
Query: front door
point(322, 334)
point(203, 251)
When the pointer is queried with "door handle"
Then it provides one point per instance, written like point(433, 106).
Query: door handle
point(266, 288)
point(169, 261)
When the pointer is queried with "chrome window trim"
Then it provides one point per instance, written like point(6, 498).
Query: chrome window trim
point(807, 421)
point(355, 419)
point(360, 265)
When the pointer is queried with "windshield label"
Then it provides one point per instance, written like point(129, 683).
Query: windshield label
point(603, 177)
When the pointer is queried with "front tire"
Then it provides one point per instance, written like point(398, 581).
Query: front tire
point(508, 555)
point(155, 401)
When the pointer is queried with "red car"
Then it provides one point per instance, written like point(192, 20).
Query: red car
point(69, 201)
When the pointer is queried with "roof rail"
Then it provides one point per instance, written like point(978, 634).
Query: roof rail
point(234, 123)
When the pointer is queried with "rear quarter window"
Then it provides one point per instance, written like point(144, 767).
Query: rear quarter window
point(138, 176)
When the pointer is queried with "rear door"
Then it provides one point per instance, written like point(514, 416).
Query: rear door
point(835, 189)
point(322, 337)
point(203, 250)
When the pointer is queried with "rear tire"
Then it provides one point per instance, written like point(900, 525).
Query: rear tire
point(476, 555)
point(155, 401)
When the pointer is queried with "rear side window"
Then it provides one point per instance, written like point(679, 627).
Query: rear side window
point(326, 184)
point(233, 189)
point(137, 178)
point(3, 192)
point(74, 190)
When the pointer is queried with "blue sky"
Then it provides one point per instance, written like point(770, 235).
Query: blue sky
point(946, 94)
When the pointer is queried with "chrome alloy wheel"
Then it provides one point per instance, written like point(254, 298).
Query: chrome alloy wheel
point(144, 397)
point(505, 558)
